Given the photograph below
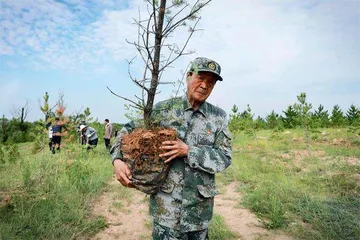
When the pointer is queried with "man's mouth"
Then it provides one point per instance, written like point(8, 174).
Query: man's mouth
point(202, 93)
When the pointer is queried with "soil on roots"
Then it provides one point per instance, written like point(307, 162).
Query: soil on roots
point(141, 150)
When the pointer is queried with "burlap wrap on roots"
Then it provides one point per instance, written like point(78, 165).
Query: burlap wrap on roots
point(141, 151)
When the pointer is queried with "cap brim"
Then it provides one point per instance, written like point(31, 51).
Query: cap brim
point(207, 70)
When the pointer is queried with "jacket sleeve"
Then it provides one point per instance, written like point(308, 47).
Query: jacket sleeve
point(110, 131)
point(212, 159)
point(91, 132)
point(115, 151)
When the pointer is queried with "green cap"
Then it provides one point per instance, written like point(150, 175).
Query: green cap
point(202, 64)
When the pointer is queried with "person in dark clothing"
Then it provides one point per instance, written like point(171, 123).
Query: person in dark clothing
point(108, 133)
point(56, 136)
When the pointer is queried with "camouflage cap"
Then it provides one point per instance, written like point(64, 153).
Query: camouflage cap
point(202, 64)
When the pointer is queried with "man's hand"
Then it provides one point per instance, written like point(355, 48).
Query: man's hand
point(123, 173)
point(174, 149)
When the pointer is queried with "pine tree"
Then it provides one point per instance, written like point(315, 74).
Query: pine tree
point(290, 119)
point(337, 117)
point(248, 122)
point(321, 117)
point(353, 114)
point(304, 116)
point(234, 121)
point(260, 123)
point(272, 120)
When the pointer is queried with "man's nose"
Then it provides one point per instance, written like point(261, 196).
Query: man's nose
point(204, 85)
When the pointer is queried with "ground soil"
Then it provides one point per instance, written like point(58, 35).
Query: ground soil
point(131, 221)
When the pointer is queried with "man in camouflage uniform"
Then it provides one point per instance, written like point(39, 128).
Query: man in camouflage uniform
point(183, 207)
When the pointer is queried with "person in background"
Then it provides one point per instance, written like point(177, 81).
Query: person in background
point(50, 132)
point(90, 136)
point(56, 135)
point(108, 131)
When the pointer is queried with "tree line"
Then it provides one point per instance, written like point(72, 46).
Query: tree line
point(298, 115)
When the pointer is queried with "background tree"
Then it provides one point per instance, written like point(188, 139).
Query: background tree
point(290, 119)
point(46, 109)
point(234, 121)
point(321, 117)
point(337, 118)
point(87, 114)
point(247, 122)
point(4, 129)
point(302, 110)
point(272, 120)
point(163, 19)
point(260, 123)
point(21, 113)
point(353, 114)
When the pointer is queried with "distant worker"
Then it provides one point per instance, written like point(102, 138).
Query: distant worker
point(50, 132)
point(108, 132)
point(56, 135)
point(90, 135)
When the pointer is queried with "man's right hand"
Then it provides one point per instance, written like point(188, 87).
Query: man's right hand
point(123, 173)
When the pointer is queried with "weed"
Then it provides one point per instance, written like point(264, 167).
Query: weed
point(219, 231)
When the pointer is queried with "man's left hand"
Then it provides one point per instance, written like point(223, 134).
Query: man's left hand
point(174, 149)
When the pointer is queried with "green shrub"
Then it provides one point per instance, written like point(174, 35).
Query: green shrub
point(2, 155)
point(14, 154)
point(267, 206)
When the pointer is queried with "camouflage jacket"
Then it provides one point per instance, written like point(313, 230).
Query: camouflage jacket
point(186, 199)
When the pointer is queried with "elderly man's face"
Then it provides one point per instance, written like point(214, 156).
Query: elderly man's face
point(200, 85)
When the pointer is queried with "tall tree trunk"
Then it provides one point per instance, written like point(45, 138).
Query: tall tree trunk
point(156, 63)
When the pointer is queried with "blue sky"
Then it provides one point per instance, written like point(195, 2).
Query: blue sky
point(269, 50)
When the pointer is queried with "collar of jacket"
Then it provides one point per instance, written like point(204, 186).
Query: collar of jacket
point(187, 106)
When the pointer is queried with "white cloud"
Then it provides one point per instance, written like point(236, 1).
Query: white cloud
point(269, 50)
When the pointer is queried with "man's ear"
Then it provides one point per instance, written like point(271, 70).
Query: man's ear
point(188, 76)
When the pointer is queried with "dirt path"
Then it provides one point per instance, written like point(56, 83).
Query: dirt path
point(127, 219)
point(130, 219)
point(241, 220)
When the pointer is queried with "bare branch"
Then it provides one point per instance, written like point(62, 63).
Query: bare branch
point(173, 83)
point(136, 105)
point(21, 113)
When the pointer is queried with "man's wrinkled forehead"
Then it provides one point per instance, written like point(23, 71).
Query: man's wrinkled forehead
point(207, 75)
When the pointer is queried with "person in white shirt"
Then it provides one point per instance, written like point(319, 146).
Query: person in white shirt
point(50, 132)
point(91, 136)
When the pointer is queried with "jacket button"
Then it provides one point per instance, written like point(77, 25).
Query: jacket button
point(193, 165)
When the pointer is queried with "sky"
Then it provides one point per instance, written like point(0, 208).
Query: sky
point(269, 51)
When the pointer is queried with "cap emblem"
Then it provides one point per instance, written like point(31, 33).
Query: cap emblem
point(212, 66)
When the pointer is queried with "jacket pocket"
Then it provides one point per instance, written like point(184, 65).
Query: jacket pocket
point(206, 139)
point(207, 191)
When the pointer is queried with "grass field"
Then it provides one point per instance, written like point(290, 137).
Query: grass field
point(47, 196)
point(310, 190)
